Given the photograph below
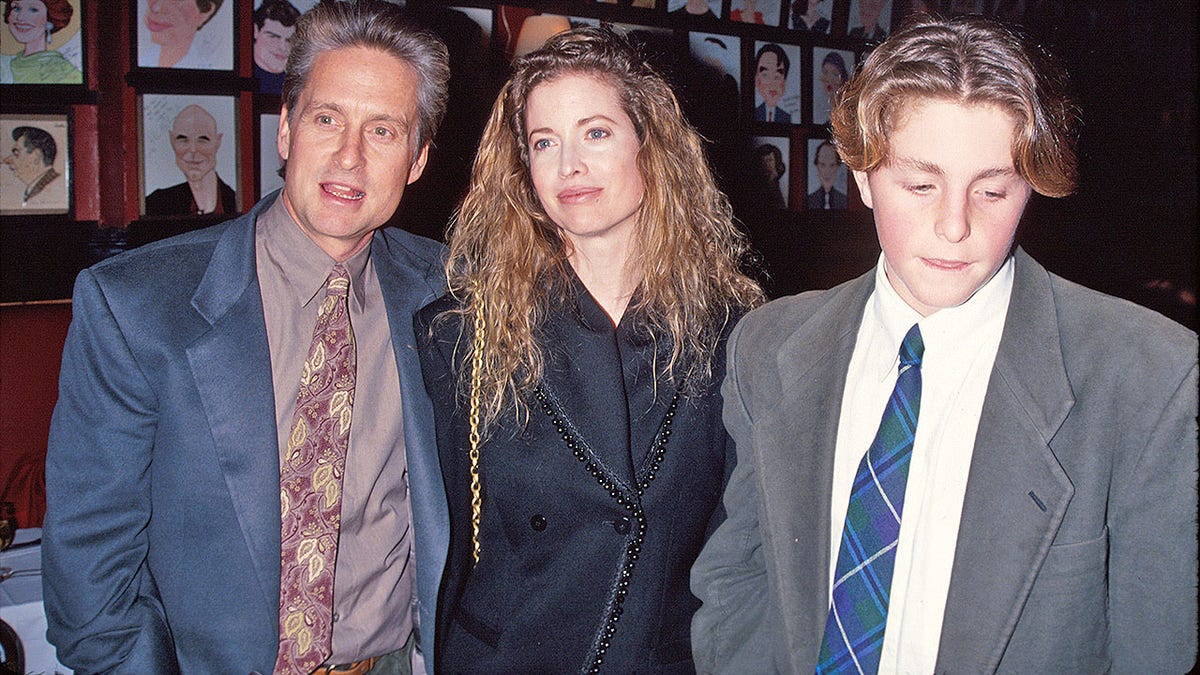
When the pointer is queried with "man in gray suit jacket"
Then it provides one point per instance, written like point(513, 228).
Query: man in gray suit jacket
point(1048, 519)
point(181, 371)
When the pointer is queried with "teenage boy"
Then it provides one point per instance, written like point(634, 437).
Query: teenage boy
point(1028, 504)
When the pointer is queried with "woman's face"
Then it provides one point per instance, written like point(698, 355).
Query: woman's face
point(174, 22)
point(583, 152)
point(27, 20)
point(831, 78)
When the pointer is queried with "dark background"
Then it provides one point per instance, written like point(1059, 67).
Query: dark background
point(1130, 230)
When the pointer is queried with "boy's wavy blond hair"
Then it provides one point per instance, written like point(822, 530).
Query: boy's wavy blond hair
point(967, 60)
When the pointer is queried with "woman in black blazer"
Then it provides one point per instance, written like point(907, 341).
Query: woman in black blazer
point(575, 369)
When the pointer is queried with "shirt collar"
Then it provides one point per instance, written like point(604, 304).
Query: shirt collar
point(947, 333)
point(303, 265)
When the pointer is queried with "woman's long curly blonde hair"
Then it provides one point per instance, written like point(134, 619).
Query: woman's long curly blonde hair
point(509, 259)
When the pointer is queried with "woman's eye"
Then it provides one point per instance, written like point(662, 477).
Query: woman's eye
point(541, 144)
point(596, 134)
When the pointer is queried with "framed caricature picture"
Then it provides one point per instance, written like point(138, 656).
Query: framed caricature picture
point(722, 53)
point(192, 34)
point(761, 12)
point(694, 9)
point(870, 20)
point(774, 171)
point(827, 177)
point(776, 73)
point(811, 16)
point(41, 42)
point(36, 176)
point(831, 69)
point(269, 161)
point(188, 148)
point(274, 24)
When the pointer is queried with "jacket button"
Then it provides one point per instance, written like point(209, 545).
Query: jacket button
point(621, 525)
point(538, 522)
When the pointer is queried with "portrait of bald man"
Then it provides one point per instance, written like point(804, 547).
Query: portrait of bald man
point(195, 141)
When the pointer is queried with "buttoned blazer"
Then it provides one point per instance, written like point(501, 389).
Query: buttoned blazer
point(161, 541)
point(564, 552)
point(1076, 551)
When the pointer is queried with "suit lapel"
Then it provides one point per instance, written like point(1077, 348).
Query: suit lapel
point(409, 281)
point(1016, 493)
point(231, 364)
point(797, 447)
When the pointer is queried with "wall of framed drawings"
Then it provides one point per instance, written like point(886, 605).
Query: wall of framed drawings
point(148, 96)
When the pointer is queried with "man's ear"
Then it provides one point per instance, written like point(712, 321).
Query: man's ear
point(284, 136)
point(864, 187)
point(418, 165)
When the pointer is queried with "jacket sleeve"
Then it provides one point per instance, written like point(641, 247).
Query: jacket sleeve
point(102, 607)
point(731, 630)
point(1152, 544)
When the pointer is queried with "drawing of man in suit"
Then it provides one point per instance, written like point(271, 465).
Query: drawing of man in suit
point(827, 163)
point(180, 400)
point(771, 66)
point(31, 159)
point(1028, 503)
point(195, 142)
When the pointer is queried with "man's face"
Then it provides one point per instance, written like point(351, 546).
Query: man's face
point(769, 79)
point(272, 43)
point(350, 147)
point(195, 140)
point(27, 164)
point(947, 201)
point(827, 166)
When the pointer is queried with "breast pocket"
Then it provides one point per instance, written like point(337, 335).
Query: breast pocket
point(1064, 624)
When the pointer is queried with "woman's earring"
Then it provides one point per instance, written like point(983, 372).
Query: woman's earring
point(49, 30)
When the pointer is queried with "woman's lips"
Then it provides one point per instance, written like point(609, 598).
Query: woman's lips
point(577, 195)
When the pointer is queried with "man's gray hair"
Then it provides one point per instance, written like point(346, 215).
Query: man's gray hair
point(377, 25)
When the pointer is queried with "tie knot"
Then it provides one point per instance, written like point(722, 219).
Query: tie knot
point(338, 281)
point(912, 348)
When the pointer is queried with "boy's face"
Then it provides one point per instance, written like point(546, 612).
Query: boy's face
point(947, 201)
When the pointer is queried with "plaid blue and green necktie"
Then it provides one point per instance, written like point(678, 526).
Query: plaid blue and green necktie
point(863, 577)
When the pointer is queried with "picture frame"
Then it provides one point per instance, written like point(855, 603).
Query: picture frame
point(184, 35)
point(46, 48)
point(184, 142)
point(721, 52)
point(694, 10)
point(768, 61)
point(266, 131)
point(814, 17)
point(758, 12)
point(36, 176)
point(831, 70)
point(273, 24)
point(870, 20)
point(828, 182)
point(775, 170)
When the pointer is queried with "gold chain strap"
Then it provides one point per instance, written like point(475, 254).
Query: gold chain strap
point(476, 374)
